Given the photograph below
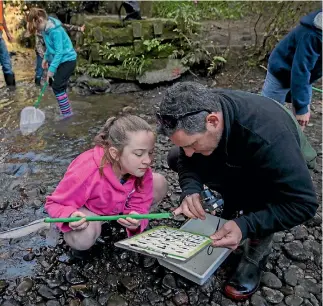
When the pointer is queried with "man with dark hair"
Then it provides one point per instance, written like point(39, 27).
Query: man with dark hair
point(252, 151)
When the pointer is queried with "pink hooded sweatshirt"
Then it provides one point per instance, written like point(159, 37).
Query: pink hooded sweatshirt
point(83, 185)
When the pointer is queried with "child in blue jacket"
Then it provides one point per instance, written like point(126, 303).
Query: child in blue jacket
point(60, 53)
point(294, 64)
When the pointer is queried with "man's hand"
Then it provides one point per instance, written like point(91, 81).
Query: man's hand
point(44, 64)
point(49, 75)
point(129, 223)
point(228, 236)
point(191, 207)
point(303, 120)
point(82, 28)
point(78, 225)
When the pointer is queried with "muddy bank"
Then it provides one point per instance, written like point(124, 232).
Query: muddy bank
point(34, 273)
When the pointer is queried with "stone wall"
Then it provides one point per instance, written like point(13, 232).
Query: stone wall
point(137, 50)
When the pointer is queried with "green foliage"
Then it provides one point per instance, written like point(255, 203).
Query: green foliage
point(135, 64)
point(155, 45)
point(93, 70)
point(115, 53)
point(203, 9)
point(216, 64)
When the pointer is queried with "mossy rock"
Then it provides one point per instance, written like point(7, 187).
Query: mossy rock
point(119, 72)
point(78, 19)
point(162, 70)
point(94, 53)
point(164, 53)
point(103, 21)
point(118, 36)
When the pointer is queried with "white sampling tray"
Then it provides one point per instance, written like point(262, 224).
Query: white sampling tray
point(199, 268)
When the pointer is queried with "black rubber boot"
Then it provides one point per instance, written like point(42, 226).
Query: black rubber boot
point(10, 80)
point(37, 81)
point(245, 281)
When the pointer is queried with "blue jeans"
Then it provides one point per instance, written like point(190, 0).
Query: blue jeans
point(273, 89)
point(5, 60)
point(39, 70)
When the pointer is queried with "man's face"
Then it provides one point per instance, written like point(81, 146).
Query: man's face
point(203, 143)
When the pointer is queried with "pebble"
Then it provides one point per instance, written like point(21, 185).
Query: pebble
point(24, 287)
point(90, 302)
point(75, 278)
point(272, 296)
point(258, 300)
point(169, 281)
point(300, 232)
point(129, 282)
point(29, 257)
point(293, 275)
point(296, 251)
point(3, 285)
point(180, 298)
point(271, 280)
point(293, 300)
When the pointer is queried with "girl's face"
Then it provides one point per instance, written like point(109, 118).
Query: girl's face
point(137, 155)
point(40, 24)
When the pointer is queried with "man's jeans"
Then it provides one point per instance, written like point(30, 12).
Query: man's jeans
point(273, 89)
point(5, 60)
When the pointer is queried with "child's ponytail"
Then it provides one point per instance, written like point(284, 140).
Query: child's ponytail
point(33, 18)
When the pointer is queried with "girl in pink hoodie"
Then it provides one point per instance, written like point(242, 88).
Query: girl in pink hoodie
point(112, 178)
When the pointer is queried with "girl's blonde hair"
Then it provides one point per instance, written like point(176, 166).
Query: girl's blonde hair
point(115, 133)
point(33, 18)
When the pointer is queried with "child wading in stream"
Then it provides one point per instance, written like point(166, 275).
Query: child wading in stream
point(40, 49)
point(59, 50)
point(112, 178)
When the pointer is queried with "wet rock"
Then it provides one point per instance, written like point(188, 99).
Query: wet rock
point(272, 296)
point(310, 286)
point(118, 88)
point(307, 303)
point(90, 302)
point(10, 302)
point(117, 300)
point(293, 275)
point(74, 303)
point(314, 300)
point(148, 262)
point(180, 298)
point(3, 285)
point(300, 291)
point(287, 290)
point(24, 287)
point(278, 237)
point(271, 280)
point(169, 281)
point(75, 278)
point(3, 204)
point(66, 259)
point(193, 298)
point(154, 298)
point(36, 204)
point(289, 237)
point(293, 300)
point(227, 302)
point(299, 232)
point(313, 246)
point(296, 251)
point(53, 283)
point(94, 85)
point(283, 262)
point(29, 257)
point(258, 300)
point(48, 293)
point(129, 282)
point(53, 303)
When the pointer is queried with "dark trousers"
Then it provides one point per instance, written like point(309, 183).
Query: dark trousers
point(62, 75)
point(256, 249)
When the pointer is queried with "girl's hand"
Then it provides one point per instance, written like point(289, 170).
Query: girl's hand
point(78, 225)
point(49, 75)
point(129, 223)
point(82, 28)
point(44, 64)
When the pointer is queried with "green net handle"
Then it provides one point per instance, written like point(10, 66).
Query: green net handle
point(40, 95)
